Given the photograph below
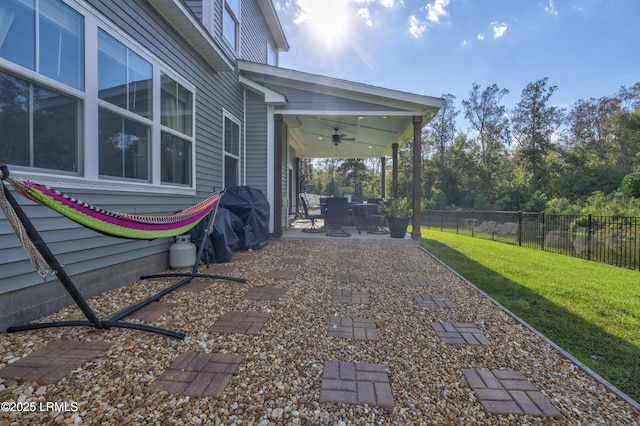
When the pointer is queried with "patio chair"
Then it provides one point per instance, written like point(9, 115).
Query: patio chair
point(313, 228)
point(336, 216)
point(374, 221)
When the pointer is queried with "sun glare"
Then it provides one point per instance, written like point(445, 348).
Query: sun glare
point(327, 20)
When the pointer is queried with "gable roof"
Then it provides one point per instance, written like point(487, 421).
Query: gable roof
point(314, 106)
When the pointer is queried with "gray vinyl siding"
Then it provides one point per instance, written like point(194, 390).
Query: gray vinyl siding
point(196, 7)
point(256, 154)
point(81, 250)
point(254, 33)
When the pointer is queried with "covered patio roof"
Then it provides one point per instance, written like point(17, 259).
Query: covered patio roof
point(316, 108)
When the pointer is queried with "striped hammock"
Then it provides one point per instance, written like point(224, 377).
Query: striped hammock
point(115, 224)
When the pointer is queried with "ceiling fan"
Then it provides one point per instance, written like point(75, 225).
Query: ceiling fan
point(337, 137)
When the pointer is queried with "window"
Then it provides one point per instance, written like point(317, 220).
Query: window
point(124, 81)
point(177, 106)
point(272, 58)
point(139, 117)
point(177, 114)
point(123, 147)
point(39, 127)
point(124, 78)
point(59, 46)
point(231, 153)
point(231, 22)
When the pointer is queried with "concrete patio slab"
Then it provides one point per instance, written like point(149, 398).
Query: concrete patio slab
point(240, 322)
point(264, 293)
point(198, 374)
point(459, 333)
point(356, 383)
point(54, 361)
point(504, 392)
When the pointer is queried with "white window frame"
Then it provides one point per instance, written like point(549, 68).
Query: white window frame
point(234, 44)
point(87, 176)
point(225, 153)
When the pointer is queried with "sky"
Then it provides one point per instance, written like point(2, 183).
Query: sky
point(587, 48)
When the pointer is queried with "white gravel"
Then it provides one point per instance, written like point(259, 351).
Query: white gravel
point(279, 380)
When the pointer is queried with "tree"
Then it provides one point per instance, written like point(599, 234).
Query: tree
point(631, 184)
point(489, 120)
point(535, 123)
point(442, 129)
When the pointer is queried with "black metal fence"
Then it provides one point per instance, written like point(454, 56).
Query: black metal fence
point(606, 239)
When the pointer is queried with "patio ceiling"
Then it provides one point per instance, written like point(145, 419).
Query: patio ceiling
point(312, 135)
point(314, 106)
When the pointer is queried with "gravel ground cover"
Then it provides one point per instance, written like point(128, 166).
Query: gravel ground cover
point(280, 376)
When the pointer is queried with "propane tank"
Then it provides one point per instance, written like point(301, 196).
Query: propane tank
point(182, 254)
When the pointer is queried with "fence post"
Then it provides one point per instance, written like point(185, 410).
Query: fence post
point(542, 231)
point(589, 233)
point(520, 228)
point(441, 220)
point(473, 226)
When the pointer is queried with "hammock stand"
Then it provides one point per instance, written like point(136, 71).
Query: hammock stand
point(92, 320)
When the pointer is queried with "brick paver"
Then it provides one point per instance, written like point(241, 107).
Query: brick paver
point(51, 363)
point(198, 374)
point(152, 311)
point(416, 281)
point(459, 333)
point(353, 328)
point(349, 265)
point(281, 274)
point(240, 322)
point(218, 269)
point(348, 278)
point(293, 261)
point(405, 267)
point(356, 383)
point(353, 297)
point(264, 293)
point(508, 392)
point(433, 301)
point(195, 286)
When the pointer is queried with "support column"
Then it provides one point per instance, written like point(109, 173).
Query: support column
point(394, 171)
point(298, 174)
point(278, 127)
point(383, 177)
point(417, 176)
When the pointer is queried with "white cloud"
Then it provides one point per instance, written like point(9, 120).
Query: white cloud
point(416, 28)
point(499, 28)
point(480, 36)
point(436, 9)
point(551, 9)
point(388, 3)
point(364, 14)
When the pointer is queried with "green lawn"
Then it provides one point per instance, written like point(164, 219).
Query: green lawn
point(589, 309)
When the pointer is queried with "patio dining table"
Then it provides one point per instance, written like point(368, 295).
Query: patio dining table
point(361, 214)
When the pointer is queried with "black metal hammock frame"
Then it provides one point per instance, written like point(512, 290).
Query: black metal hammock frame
point(40, 253)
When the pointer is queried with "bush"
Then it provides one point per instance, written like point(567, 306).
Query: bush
point(631, 184)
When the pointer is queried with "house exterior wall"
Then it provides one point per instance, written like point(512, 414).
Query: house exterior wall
point(97, 262)
point(256, 142)
point(254, 34)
